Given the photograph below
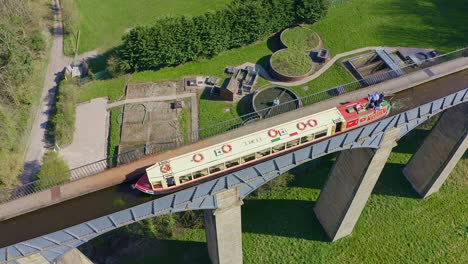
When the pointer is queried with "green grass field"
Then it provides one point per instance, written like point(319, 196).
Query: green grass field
point(113, 89)
point(103, 23)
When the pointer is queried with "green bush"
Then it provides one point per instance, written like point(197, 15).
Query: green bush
point(161, 227)
point(173, 41)
point(22, 46)
point(53, 171)
point(64, 118)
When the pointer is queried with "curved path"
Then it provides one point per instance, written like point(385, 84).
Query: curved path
point(264, 73)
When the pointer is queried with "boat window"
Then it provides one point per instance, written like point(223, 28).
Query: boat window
point(248, 158)
point(292, 143)
point(157, 184)
point(217, 168)
point(199, 174)
point(307, 138)
point(232, 163)
point(321, 134)
point(263, 153)
point(278, 148)
point(185, 178)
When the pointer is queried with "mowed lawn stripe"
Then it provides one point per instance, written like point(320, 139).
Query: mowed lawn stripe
point(104, 22)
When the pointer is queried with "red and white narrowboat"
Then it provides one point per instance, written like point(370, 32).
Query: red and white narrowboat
point(233, 154)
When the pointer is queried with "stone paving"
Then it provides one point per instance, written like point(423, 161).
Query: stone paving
point(90, 136)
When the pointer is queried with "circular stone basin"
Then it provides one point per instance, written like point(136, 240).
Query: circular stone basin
point(300, 38)
point(291, 62)
point(270, 96)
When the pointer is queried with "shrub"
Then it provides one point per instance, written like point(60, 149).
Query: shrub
point(160, 227)
point(291, 62)
point(21, 46)
point(190, 219)
point(63, 121)
point(274, 185)
point(53, 171)
point(173, 41)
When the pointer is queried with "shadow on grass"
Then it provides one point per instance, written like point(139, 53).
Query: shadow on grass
point(264, 61)
point(138, 250)
point(244, 106)
point(274, 42)
point(99, 63)
point(440, 22)
point(287, 218)
point(392, 182)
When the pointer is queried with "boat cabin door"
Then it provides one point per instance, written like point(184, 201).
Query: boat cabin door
point(338, 127)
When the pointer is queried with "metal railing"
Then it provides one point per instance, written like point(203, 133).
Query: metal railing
point(231, 124)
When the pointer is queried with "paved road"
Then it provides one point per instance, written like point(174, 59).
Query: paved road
point(37, 144)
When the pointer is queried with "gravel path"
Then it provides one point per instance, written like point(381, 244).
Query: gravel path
point(149, 99)
point(264, 73)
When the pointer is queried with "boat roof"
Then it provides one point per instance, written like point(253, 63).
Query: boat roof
point(352, 110)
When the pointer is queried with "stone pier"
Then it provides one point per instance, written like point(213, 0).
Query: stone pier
point(430, 166)
point(349, 186)
point(223, 228)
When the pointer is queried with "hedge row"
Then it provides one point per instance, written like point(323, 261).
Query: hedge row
point(63, 121)
point(176, 40)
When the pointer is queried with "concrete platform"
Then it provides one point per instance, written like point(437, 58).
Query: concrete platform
point(90, 136)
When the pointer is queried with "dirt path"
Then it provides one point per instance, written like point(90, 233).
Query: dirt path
point(264, 73)
point(149, 99)
point(37, 143)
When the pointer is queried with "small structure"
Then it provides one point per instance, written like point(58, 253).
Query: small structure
point(322, 55)
point(176, 104)
point(240, 83)
point(194, 81)
point(211, 80)
point(230, 70)
point(77, 68)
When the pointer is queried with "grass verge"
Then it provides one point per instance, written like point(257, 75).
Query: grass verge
point(114, 134)
point(113, 89)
